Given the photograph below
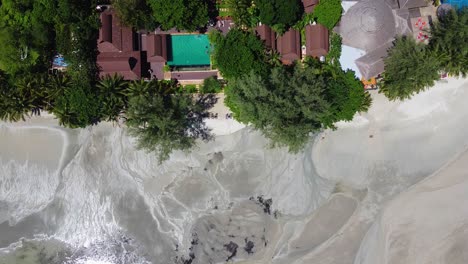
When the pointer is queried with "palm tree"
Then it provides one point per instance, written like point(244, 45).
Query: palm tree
point(112, 93)
point(56, 86)
point(139, 88)
point(12, 106)
point(30, 90)
point(274, 58)
point(449, 38)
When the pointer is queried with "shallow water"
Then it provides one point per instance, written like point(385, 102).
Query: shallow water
point(87, 196)
point(105, 201)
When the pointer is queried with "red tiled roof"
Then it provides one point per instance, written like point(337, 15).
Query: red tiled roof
point(317, 40)
point(116, 48)
point(127, 64)
point(156, 45)
point(289, 46)
point(267, 35)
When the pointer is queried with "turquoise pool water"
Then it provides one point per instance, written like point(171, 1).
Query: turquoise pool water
point(457, 3)
point(189, 50)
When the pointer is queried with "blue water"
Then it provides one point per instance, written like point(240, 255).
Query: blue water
point(457, 3)
point(59, 61)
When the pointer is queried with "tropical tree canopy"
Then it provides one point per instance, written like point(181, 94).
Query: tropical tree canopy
point(26, 36)
point(328, 13)
point(165, 121)
point(280, 14)
point(180, 14)
point(449, 40)
point(242, 12)
point(409, 69)
point(294, 102)
point(211, 85)
point(134, 13)
point(239, 53)
point(112, 96)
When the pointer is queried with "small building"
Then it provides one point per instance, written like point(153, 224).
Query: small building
point(289, 46)
point(317, 40)
point(118, 49)
point(372, 64)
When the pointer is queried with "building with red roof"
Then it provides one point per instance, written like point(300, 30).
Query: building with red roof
point(118, 47)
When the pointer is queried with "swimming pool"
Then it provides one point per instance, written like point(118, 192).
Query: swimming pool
point(457, 3)
point(189, 50)
point(59, 61)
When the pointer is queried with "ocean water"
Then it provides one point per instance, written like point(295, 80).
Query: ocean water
point(88, 196)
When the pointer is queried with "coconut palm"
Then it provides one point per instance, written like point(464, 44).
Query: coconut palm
point(13, 107)
point(409, 69)
point(112, 95)
point(31, 90)
point(56, 86)
point(139, 88)
point(274, 58)
point(449, 38)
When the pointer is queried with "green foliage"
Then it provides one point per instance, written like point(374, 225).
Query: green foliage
point(334, 53)
point(242, 12)
point(134, 13)
point(112, 96)
point(189, 88)
point(280, 14)
point(14, 104)
point(181, 14)
point(211, 85)
point(164, 121)
point(239, 53)
point(294, 102)
point(328, 13)
point(449, 38)
point(26, 36)
point(409, 69)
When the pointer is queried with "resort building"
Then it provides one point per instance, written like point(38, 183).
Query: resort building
point(317, 40)
point(118, 47)
point(289, 44)
point(370, 26)
point(158, 54)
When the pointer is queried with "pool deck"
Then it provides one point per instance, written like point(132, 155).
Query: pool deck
point(193, 76)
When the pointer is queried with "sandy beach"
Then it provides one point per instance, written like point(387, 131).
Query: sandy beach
point(354, 195)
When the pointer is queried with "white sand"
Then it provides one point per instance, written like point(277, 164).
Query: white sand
point(106, 187)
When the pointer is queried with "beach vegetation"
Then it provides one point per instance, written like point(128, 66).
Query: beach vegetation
point(279, 14)
point(167, 120)
point(410, 68)
point(294, 102)
point(211, 85)
point(448, 41)
point(135, 14)
point(328, 13)
point(238, 53)
point(112, 96)
point(181, 14)
point(242, 12)
point(334, 53)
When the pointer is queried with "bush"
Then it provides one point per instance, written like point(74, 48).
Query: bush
point(334, 53)
point(409, 69)
point(328, 13)
point(189, 88)
point(238, 53)
point(292, 103)
point(211, 85)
